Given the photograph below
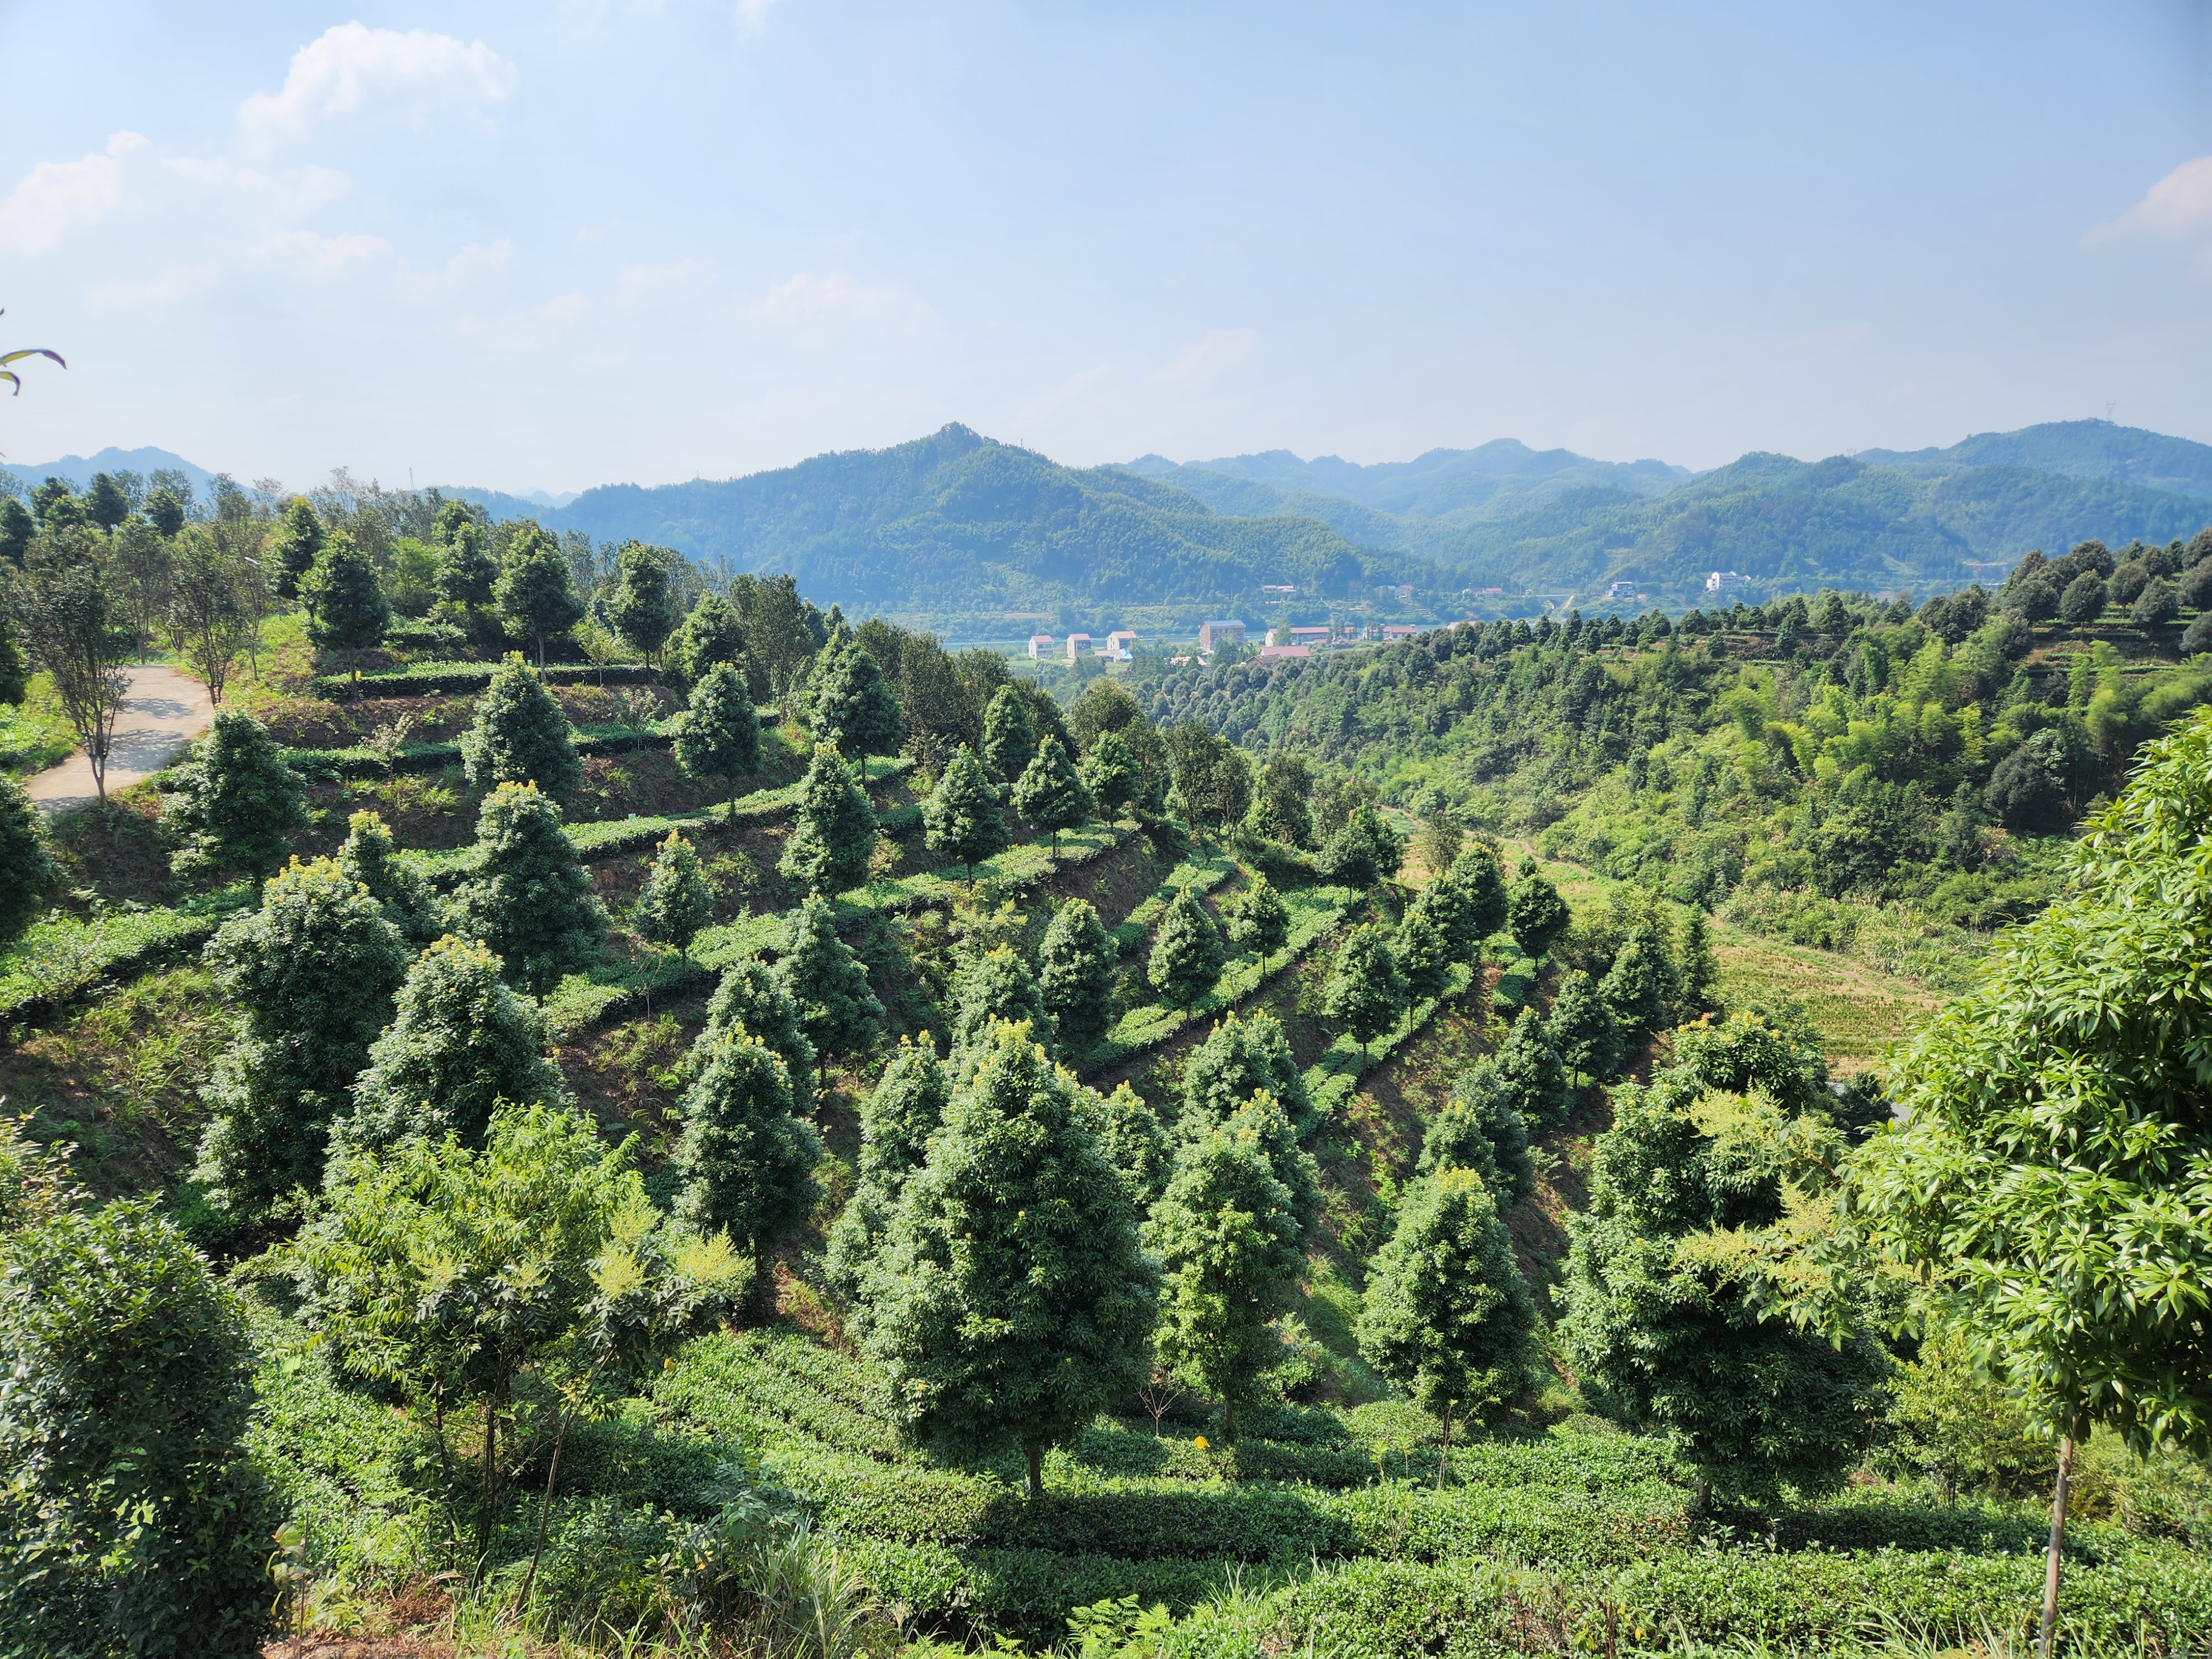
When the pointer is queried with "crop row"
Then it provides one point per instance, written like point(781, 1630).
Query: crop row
point(1331, 1080)
point(592, 738)
point(62, 957)
point(417, 678)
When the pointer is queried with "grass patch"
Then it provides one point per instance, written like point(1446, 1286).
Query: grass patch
point(1860, 1011)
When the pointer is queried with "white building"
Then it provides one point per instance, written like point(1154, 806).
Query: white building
point(1211, 635)
point(1720, 581)
point(1120, 643)
point(1621, 591)
point(1040, 646)
point(1079, 645)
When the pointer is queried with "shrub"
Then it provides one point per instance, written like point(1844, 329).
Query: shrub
point(26, 871)
point(521, 736)
point(236, 801)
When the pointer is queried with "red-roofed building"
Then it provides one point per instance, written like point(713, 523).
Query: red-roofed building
point(1039, 645)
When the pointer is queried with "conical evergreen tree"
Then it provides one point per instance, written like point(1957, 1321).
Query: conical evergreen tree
point(1583, 1028)
point(27, 874)
point(1111, 774)
point(1011, 1301)
point(1534, 1078)
point(712, 635)
point(719, 735)
point(833, 832)
point(1479, 1130)
point(753, 995)
point(747, 1164)
point(410, 904)
point(313, 973)
point(533, 592)
point(1009, 735)
point(837, 1010)
point(641, 609)
point(1534, 910)
point(1239, 1059)
point(994, 988)
point(236, 801)
point(961, 819)
point(1256, 918)
point(1263, 1120)
point(1227, 1244)
point(1447, 1316)
point(461, 1042)
point(1364, 850)
point(1131, 1139)
point(1423, 949)
point(677, 901)
point(531, 897)
point(1049, 796)
point(1075, 973)
point(1480, 905)
point(1639, 988)
point(1187, 954)
point(851, 709)
point(348, 610)
point(1363, 990)
point(465, 571)
point(521, 736)
point(293, 546)
point(1693, 955)
point(908, 1103)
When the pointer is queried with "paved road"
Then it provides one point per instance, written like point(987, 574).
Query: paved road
point(165, 711)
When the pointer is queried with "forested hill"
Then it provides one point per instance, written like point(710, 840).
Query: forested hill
point(956, 521)
point(1882, 519)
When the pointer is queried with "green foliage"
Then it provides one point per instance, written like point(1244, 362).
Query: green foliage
point(753, 997)
point(1534, 911)
point(530, 898)
point(1010, 1302)
point(1280, 808)
point(1582, 1027)
point(235, 802)
point(1447, 1316)
point(1532, 1073)
point(26, 872)
point(995, 987)
point(1240, 1058)
point(1422, 949)
point(1255, 918)
point(1130, 1138)
point(677, 903)
point(1009, 735)
point(294, 546)
point(1364, 991)
point(849, 706)
point(1111, 773)
point(837, 1011)
point(346, 609)
point(1075, 975)
point(833, 832)
point(1213, 777)
point(642, 608)
point(133, 1520)
point(1050, 796)
point(1958, 1426)
point(1264, 1121)
point(1480, 1129)
point(896, 1121)
point(521, 736)
point(1365, 850)
point(719, 734)
point(533, 592)
point(1187, 954)
point(408, 905)
point(747, 1163)
point(961, 818)
point(1227, 1245)
point(712, 635)
point(311, 974)
point(465, 571)
point(460, 1042)
point(1640, 990)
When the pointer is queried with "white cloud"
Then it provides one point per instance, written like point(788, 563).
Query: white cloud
point(646, 285)
point(528, 330)
point(56, 197)
point(322, 258)
point(1205, 361)
point(171, 282)
point(353, 70)
point(479, 265)
point(808, 301)
point(2178, 204)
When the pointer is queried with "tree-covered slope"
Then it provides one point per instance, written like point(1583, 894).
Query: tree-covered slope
point(2074, 449)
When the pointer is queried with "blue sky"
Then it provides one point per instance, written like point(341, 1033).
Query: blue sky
point(554, 246)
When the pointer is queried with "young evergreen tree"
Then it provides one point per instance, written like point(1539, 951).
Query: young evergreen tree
point(461, 1042)
point(1264, 1121)
point(1239, 1059)
point(1230, 1262)
point(1534, 1077)
point(747, 1163)
point(410, 902)
point(961, 819)
point(294, 546)
point(837, 1011)
point(1423, 949)
point(521, 736)
point(348, 610)
point(1694, 953)
point(465, 571)
point(851, 709)
point(1364, 991)
point(1281, 808)
point(677, 901)
point(753, 996)
point(1582, 1028)
point(712, 635)
point(1049, 796)
point(531, 897)
point(1186, 953)
point(642, 610)
point(27, 874)
point(533, 592)
point(235, 803)
point(995, 986)
point(1111, 774)
point(833, 832)
point(907, 1105)
point(719, 734)
point(1479, 1130)
point(1009, 736)
point(138, 1520)
point(1075, 975)
point(1536, 912)
point(313, 973)
point(1130, 1138)
point(1256, 918)
point(1446, 1315)
point(1364, 850)
point(1640, 988)
point(1012, 1300)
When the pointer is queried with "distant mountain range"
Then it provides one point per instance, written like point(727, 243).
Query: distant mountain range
point(78, 471)
point(956, 522)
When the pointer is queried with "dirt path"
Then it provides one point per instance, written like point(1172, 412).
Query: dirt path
point(165, 711)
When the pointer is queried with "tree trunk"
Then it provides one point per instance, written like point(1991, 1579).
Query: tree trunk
point(1229, 1421)
point(1037, 1468)
point(763, 1294)
point(490, 1479)
point(2057, 1543)
point(546, 1510)
point(1705, 1492)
